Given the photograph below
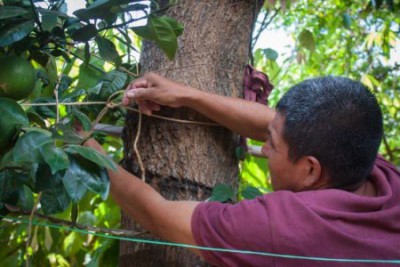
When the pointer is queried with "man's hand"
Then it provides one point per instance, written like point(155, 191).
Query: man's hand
point(240, 116)
point(153, 91)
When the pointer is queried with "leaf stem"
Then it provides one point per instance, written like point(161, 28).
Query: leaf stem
point(35, 15)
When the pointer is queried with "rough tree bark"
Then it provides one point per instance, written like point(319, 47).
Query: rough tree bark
point(185, 161)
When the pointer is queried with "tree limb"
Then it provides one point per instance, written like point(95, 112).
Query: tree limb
point(265, 24)
point(115, 232)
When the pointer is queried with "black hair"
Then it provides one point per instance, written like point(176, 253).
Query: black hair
point(336, 120)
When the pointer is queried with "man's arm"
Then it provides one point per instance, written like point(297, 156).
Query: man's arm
point(246, 118)
point(169, 220)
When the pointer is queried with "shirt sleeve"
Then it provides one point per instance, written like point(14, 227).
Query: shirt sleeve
point(244, 226)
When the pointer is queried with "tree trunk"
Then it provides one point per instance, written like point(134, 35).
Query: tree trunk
point(184, 161)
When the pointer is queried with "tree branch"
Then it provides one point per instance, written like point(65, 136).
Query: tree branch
point(35, 15)
point(115, 232)
point(265, 24)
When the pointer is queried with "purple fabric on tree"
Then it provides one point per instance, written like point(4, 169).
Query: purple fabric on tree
point(256, 85)
point(328, 223)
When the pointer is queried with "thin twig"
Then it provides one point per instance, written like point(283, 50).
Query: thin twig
point(265, 24)
point(117, 232)
point(57, 101)
point(35, 15)
point(254, 41)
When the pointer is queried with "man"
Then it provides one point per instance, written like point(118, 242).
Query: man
point(334, 198)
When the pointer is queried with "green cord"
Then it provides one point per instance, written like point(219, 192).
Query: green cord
point(165, 243)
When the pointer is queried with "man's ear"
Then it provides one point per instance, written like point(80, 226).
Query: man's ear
point(313, 172)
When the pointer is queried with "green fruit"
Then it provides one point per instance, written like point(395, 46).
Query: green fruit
point(17, 77)
point(12, 118)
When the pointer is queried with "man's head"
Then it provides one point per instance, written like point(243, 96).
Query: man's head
point(332, 128)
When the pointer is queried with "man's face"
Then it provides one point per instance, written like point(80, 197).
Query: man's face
point(285, 175)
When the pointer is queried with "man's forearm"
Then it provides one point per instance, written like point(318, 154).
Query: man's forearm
point(170, 220)
point(246, 118)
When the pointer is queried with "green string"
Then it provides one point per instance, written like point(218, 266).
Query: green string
point(165, 243)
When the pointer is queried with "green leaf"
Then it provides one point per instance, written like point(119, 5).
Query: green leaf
point(45, 111)
point(14, 32)
point(9, 188)
point(66, 133)
point(35, 118)
point(28, 147)
point(240, 153)
point(73, 182)
point(48, 239)
point(306, 39)
point(73, 96)
point(26, 198)
point(86, 218)
point(13, 119)
point(12, 11)
point(390, 4)
point(88, 76)
point(176, 26)
point(221, 193)
point(55, 199)
point(83, 174)
point(108, 50)
point(16, 115)
point(97, 9)
point(82, 118)
point(251, 192)
point(72, 244)
point(347, 20)
point(64, 84)
point(55, 157)
point(162, 30)
point(85, 33)
point(54, 13)
point(270, 53)
point(3, 213)
point(49, 21)
point(254, 170)
point(111, 82)
point(92, 155)
point(45, 179)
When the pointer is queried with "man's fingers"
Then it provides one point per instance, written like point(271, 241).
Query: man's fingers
point(144, 107)
point(140, 93)
point(132, 93)
point(125, 100)
point(139, 83)
point(154, 106)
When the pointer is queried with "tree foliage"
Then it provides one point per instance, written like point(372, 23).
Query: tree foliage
point(80, 58)
point(355, 39)
point(92, 54)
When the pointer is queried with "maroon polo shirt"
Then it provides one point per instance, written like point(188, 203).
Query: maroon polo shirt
point(328, 223)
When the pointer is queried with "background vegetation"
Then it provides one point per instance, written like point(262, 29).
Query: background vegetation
point(93, 54)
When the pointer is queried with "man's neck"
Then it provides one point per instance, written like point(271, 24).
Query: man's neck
point(367, 189)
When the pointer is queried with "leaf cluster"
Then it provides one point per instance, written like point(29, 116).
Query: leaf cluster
point(87, 56)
